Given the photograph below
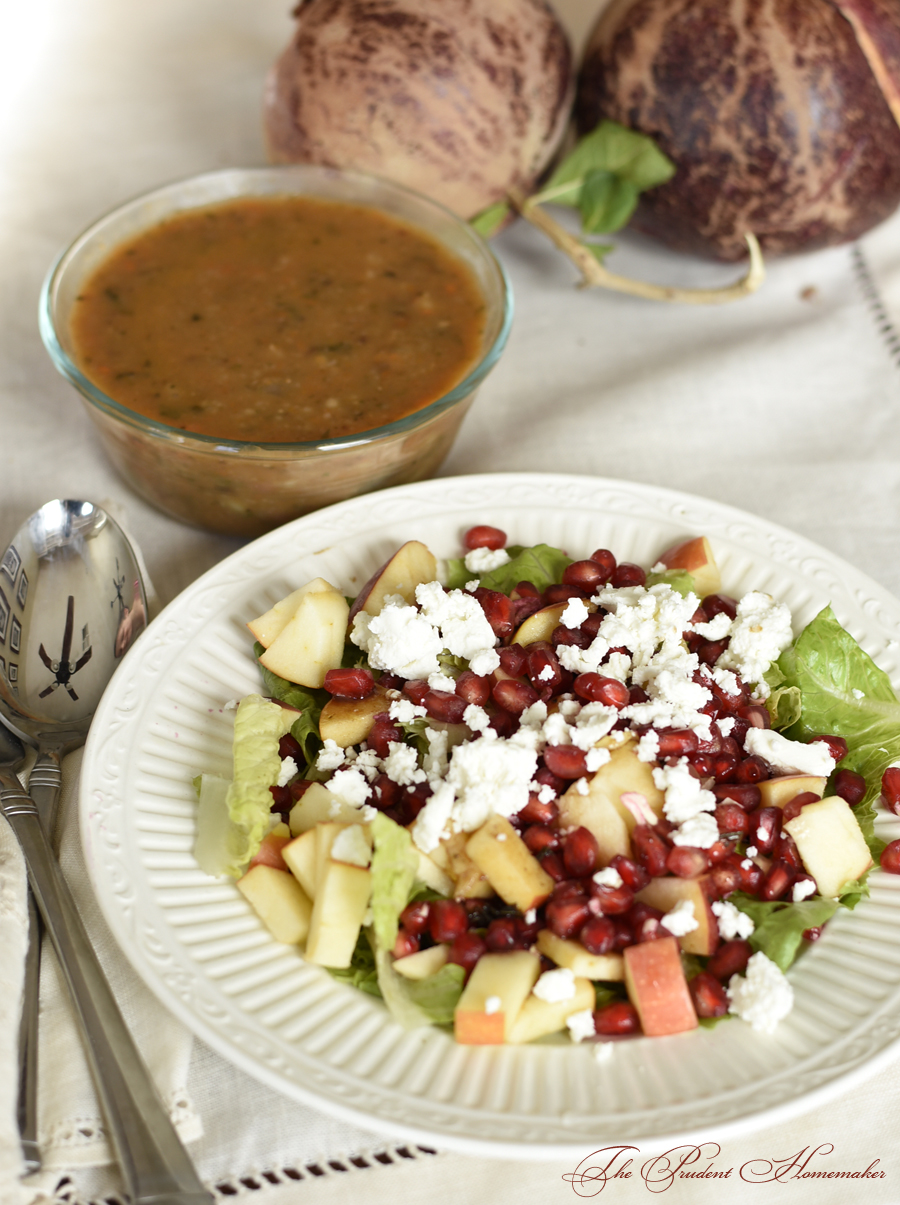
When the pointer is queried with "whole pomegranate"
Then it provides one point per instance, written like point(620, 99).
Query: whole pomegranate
point(777, 114)
point(459, 99)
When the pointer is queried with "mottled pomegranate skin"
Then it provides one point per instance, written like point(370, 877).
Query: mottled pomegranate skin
point(769, 110)
point(459, 99)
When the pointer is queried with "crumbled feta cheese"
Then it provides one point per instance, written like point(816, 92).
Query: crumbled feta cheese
point(472, 585)
point(726, 726)
point(546, 673)
point(404, 711)
point(802, 890)
point(399, 639)
point(555, 986)
point(732, 922)
point(350, 845)
point(594, 721)
point(402, 766)
point(699, 832)
point(487, 774)
point(231, 705)
point(331, 755)
point(484, 662)
point(350, 787)
point(746, 863)
point(582, 786)
point(617, 665)
point(581, 1025)
point(608, 877)
point(575, 614)
point(792, 756)
point(484, 560)
point(725, 679)
point(531, 916)
point(751, 851)
point(436, 758)
point(289, 769)
point(556, 730)
point(546, 794)
point(433, 822)
point(595, 758)
point(492, 1005)
point(681, 919)
point(762, 996)
point(685, 797)
point(368, 762)
point(568, 707)
point(716, 629)
point(442, 681)
point(463, 625)
point(648, 746)
point(759, 635)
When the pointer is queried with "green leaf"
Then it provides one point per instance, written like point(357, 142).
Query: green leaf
point(854, 891)
point(680, 580)
point(541, 564)
point(785, 706)
point(607, 993)
point(611, 147)
point(606, 202)
point(414, 1003)
point(490, 220)
point(828, 666)
point(451, 664)
point(303, 699)
point(780, 925)
point(598, 250)
point(393, 870)
point(361, 972)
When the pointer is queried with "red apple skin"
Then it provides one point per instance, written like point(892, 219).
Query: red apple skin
point(657, 987)
point(269, 853)
point(695, 556)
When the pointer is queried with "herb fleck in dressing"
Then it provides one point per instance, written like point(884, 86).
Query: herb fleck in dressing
point(279, 319)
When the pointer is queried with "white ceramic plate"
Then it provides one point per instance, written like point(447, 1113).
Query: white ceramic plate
point(208, 959)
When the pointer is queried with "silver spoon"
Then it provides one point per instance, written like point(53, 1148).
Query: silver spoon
point(72, 602)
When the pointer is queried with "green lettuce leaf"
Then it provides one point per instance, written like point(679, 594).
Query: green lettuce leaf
point(361, 972)
point(417, 1002)
point(780, 924)
point(680, 580)
point(309, 702)
point(490, 220)
point(844, 693)
point(541, 565)
point(785, 706)
point(393, 869)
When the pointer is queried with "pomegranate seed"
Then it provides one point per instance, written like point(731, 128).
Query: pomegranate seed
point(281, 799)
point(714, 604)
point(785, 850)
point(650, 929)
point(708, 995)
point(709, 653)
point(542, 666)
point(416, 690)
point(631, 874)
point(640, 912)
point(650, 850)
point(598, 689)
point(720, 850)
point(561, 593)
point(444, 706)
point(504, 723)
point(522, 608)
point(744, 795)
point(701, 765)
point(890, 858)
point(484, 537)
point(618, 1018)
point(890, 788)
point(751, 769)
point(513, 659)
point(447, 919)
point(472, 688)
point(289, 746)
point(686, 861)
point(794, 806)
point(355, 683)
point(501, 935)
point(581, 853)
point(724, 767)
point(637, 694)
point(387, 792)
point(587, 575)
point(626, 574)
point(497, 610)
point(526, 590)
point(539, 838)
point(776, 882)
point(678, 744)
point(513, 696)
point(570, 636)
point(837, 746)
point(467, 949)
point(751, 876)
point(726, 877)
point(299, 787)
point(731, 958)
point(591, 625)
point(765, 825)
point(553, 864)
point(406, 943)
point(383, 733)
point(814, 933)
point(566, 761)
point(730, 748)
point(390, 682)
point(756, 715)
point(535, 812)
point(414, 917)
point(850, 786)
point(566, 917)
point(731, 818)
point(605, 559)
point(526, 933)
point(613, 900)
point(598, 935)
point(569, 889)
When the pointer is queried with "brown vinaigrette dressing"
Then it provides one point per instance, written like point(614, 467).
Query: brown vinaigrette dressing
point(278, 319)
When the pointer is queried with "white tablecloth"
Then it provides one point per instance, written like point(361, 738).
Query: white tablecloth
point(786, 405)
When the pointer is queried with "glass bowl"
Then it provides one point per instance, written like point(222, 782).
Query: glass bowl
point(241, 488)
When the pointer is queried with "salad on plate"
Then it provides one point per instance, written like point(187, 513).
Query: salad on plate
point(524, 795)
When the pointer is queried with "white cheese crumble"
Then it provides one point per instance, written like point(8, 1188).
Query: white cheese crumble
point(685, 796)
point(433, 822)
point(575, 614)
point(492, 1005)
point(763, 996)
point(476, 718)
point(484, 560)
point(595, 758)
point(401, 765)
point(350, 845)
point(581, 1025)
point(472, 585)
point(802, 890)
point(441, 681)
point(289, 769)
point(648, 746)
point(751, 851)
point(546, 673)
point(350, 787)
point(331, 755)
point(436, 758)
point(792, 756)
point(726, 726)
point(681, 919)
point(582, 786)
point(399, 640)
point(732, 922)
point(760, 633)
point(699, 832)
point(463, 626)
point(555, 986)
point(404, 711)
point(608, 877)
point(716, 629)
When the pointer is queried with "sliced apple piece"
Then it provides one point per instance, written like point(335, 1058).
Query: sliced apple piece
point(423, 963)
point(695, 556)
point(312, 642)
point(572, 954)
point(342, 897)
point(269, 852)
point(411, 565)
point(601, 811)
point(469, 880)
point(657, 987)
point(279, 901)
point(492, 999)
point(349, 721)
point(508, 864)
point(300, 856)
point(666, 893)
point(538, 1018)
point(429, 873)
point(540, 625)
point(270, 625)
point(777, 792)
point(830, 843)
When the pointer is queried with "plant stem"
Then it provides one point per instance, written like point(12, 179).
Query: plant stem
point(595, 275)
